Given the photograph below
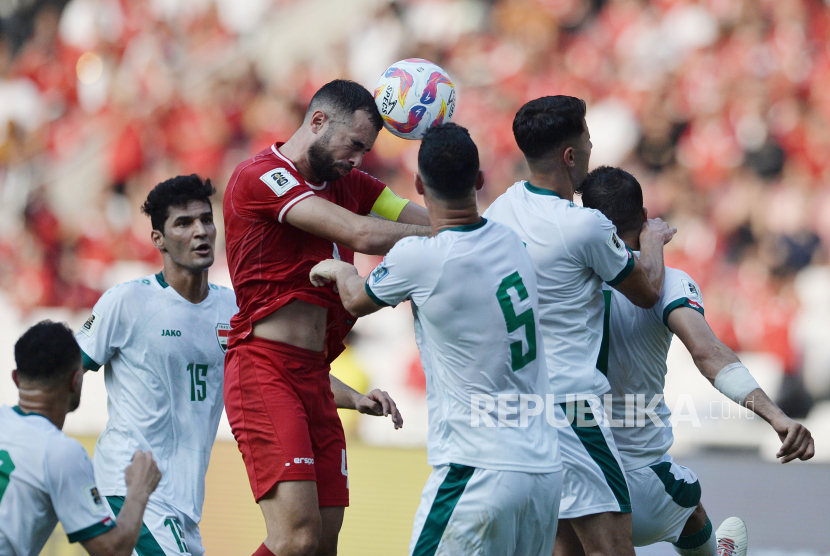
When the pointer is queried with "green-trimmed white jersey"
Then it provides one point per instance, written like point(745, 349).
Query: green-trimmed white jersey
point(45, 477)
point(574, 250)
point(473, 293)
point(639, 341)
point(164, 361)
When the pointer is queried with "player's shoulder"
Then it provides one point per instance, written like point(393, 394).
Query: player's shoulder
point(678, 283)
point(226, 295)
point(138, 288)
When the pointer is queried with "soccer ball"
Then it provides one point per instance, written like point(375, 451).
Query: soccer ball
point(413, 95)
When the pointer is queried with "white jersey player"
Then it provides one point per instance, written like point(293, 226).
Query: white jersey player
point(496, 474)
point(665, 496)
point(574, 251)
point(161, 340)
point(45, 476)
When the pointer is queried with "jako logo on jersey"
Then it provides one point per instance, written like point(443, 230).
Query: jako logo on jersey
point(279, 180)
point(307, 461)
point(176, 333)
point(91, 324)
point(222, 331)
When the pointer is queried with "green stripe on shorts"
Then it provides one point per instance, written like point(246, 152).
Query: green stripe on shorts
point(685, 495)
point(597, 447)
point(447, 497)
point(147, 543)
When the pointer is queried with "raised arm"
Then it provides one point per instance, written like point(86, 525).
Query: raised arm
point(364, 234)
point(645, 283)
point(724, 370)
point(142, 477)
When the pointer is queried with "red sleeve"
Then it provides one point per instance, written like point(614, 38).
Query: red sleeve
point(368, 190)
point(263, 191)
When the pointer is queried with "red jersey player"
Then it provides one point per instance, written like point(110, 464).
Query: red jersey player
point(286, 209)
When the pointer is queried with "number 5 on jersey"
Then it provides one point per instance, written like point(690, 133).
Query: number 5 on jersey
point(518, 358)
point(198, 384)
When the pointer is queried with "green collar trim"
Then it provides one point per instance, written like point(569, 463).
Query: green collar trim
point(539, 191)
point(21, 412)
point(466, 227)
point(160, 278)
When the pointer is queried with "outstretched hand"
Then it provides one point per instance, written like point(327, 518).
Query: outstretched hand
point(797, 442)
point(377, 402)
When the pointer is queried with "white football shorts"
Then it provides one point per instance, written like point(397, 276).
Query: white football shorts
point(663, 496)
point(480, 512)
point(593, 480)
point(165, 532)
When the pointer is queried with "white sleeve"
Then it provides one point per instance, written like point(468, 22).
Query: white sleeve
point(679, 290)
point(82, 511)
point(101, 335)
point(599, 247)
point(403, 274)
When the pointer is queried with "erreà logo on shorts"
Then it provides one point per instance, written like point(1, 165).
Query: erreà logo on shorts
point(91, 324)
point(307, 461)
point(279, 180)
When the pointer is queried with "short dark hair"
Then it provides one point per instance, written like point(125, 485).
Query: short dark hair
point(345, 98)
point(175, 192)
point(46, 352)
point(448, 161)
point(543, 124)
point(616, 194)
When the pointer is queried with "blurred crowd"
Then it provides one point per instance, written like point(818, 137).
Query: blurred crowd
point(719, 107)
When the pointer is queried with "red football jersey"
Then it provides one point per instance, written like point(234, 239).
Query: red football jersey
point(269, 261)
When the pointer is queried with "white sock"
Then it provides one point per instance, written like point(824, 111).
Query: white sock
point(702, 543)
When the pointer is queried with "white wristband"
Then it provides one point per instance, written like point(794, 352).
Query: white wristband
point(735, 382)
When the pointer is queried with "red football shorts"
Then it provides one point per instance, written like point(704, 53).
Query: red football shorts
point(281, 409)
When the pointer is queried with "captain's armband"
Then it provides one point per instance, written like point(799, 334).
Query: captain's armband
point(388, 205)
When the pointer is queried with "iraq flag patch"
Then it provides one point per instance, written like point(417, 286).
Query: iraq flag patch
point(222, 331)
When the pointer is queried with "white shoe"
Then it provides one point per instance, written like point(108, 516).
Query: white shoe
point(732, 538)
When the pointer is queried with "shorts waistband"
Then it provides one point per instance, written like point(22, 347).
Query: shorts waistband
point(285, 349)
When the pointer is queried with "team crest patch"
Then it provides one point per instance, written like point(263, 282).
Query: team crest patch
point(279, 180)
point(91, 324)
point(222, 331)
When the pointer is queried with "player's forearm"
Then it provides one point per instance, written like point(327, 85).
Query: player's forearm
point(762, 406)
point(345, 397)
point(377, 237)
point(352, 289)
point(651, 257)
point(710, 357)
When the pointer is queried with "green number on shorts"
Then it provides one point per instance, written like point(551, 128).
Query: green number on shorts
point(518, 358)
point(6, 468)
point(178, 534)
point(198, 385)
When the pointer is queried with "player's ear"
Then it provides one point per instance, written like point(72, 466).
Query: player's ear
point(419, 184)
point(158, 239)
point(15, 379)
point(568, 156)
point(76, 381)
point(480, 180)
point(317, 119)
point(645, 214)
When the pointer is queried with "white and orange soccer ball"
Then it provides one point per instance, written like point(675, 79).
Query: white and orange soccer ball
point(413, 95)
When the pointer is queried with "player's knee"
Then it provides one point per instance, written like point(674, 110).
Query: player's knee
point(301, 541)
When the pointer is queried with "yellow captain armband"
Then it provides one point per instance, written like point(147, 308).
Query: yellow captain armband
point(388, 205)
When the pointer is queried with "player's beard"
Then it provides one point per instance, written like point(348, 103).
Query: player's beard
point(321, 160)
